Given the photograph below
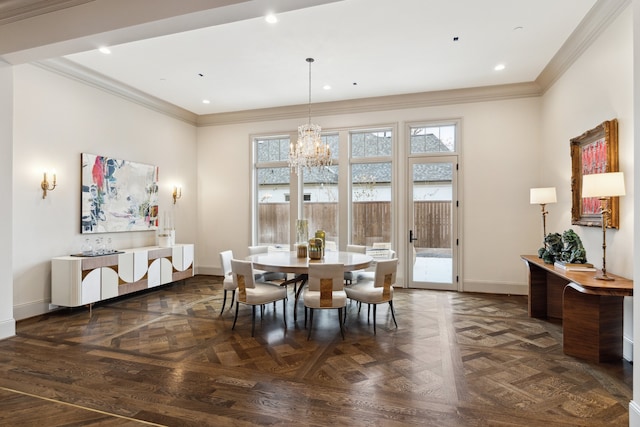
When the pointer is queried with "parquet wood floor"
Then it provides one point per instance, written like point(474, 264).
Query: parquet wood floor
point(167, 357)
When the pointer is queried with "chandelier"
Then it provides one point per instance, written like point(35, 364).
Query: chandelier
point(309, 151)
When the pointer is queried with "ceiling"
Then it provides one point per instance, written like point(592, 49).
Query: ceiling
point(362, 49)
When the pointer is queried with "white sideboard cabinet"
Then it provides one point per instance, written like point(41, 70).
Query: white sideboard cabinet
point(77, 281)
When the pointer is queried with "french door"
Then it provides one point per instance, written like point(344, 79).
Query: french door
point(433, 218)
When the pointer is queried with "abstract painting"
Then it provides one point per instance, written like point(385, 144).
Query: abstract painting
point(118, 195)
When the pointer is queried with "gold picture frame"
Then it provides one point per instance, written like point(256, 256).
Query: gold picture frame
point(595, 151)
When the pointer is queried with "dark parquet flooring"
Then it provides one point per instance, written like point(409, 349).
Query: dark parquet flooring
point(167, 357)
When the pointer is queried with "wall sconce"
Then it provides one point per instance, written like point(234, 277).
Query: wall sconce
point(604, 186)
point(177, 193)
point(46, 186)
point(542, 196)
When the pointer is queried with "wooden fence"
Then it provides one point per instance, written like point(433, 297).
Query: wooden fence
point(371, 222)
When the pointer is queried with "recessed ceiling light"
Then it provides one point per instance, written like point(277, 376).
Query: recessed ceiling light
point(326, 87)
point(206, 101)
point(499, 67)
point(105, 50)
point(271, 18)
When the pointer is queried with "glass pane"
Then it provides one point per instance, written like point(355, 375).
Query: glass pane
point(272, 149)
point(371, 144)
point(320, 188)
point(433, 139)
point(432, 222)
point(273, 206)
point(371, 203)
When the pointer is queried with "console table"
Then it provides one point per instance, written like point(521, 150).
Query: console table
point(590, 309)
point(77, 280)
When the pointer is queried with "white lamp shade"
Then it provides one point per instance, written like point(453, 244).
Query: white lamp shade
point(542, 196)
point(609, 184)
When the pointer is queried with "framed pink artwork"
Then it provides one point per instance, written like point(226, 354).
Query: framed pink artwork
point(595, 151)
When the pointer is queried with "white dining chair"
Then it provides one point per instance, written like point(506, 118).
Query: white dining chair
point(376, 291)
point(255, 293)
point(267, 276)
point(228, 284)
point(325, 289)
point(351, 277)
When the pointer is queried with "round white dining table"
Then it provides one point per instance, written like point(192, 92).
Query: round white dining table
point(288, 262)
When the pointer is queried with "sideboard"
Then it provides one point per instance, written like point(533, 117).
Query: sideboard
point(77, 280)
point(591, 310)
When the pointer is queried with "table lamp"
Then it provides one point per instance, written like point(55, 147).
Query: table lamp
point(542, 196)
point(603, 186)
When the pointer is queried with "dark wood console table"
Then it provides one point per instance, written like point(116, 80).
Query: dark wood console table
point(590, 309)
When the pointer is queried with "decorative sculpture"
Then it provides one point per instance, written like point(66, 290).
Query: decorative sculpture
point(566, 248)
point(573, 251)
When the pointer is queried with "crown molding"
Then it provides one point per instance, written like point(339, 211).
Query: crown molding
point(87, 76)
point(601, 15)
point(382, 103)
point(17, 10)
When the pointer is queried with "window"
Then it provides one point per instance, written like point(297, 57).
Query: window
point(371, 183)
point(433, 139)
point(272, 177)
point(321, 210)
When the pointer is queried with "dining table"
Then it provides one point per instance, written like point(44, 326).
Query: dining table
point(289, 262)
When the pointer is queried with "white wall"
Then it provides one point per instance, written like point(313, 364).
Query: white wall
point(634, 406)
point(596, 88)
point(499, 145)
point(7, 322)
point(57, 119)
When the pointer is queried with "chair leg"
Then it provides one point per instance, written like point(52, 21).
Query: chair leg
point(253, 319)
point(393, 313)
point(305, 317)
point(284, 312)
point(236, 316)
point(224, 301)
point(368, 312)
point(340, 321)
point(233, 297)
point(310, 323)
point(374, 318)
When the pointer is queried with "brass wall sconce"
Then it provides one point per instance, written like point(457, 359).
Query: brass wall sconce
point(46, 185)
point(177, 193)
point(604, 186)
point(542, 196)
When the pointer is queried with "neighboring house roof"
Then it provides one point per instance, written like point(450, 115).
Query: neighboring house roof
point(371, 172)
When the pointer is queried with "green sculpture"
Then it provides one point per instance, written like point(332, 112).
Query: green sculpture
point(552, 249)
point(565, 248)
point(573, 251)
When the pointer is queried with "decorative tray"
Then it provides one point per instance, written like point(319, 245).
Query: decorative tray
point(96, 255)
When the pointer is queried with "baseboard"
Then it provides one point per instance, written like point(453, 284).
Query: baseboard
point(209, 271)
point(491, 287)
point(627, 349)
point(7, 328)
point(32, 309)
point(634, 414)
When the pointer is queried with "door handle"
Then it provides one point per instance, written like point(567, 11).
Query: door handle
point(411, 238)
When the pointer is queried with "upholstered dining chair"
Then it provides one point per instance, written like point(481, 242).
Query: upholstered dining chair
point(351, 277)
point(228, 284)
point(266, 275)
point(325, 289)
point(377, 291)
point(255, 293)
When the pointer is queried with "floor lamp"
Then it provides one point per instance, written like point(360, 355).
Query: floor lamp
point(543, 196)
point(604, 186)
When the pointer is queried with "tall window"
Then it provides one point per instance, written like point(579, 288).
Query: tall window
point(371, 173)
point(320, 188)
point(272, 184)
